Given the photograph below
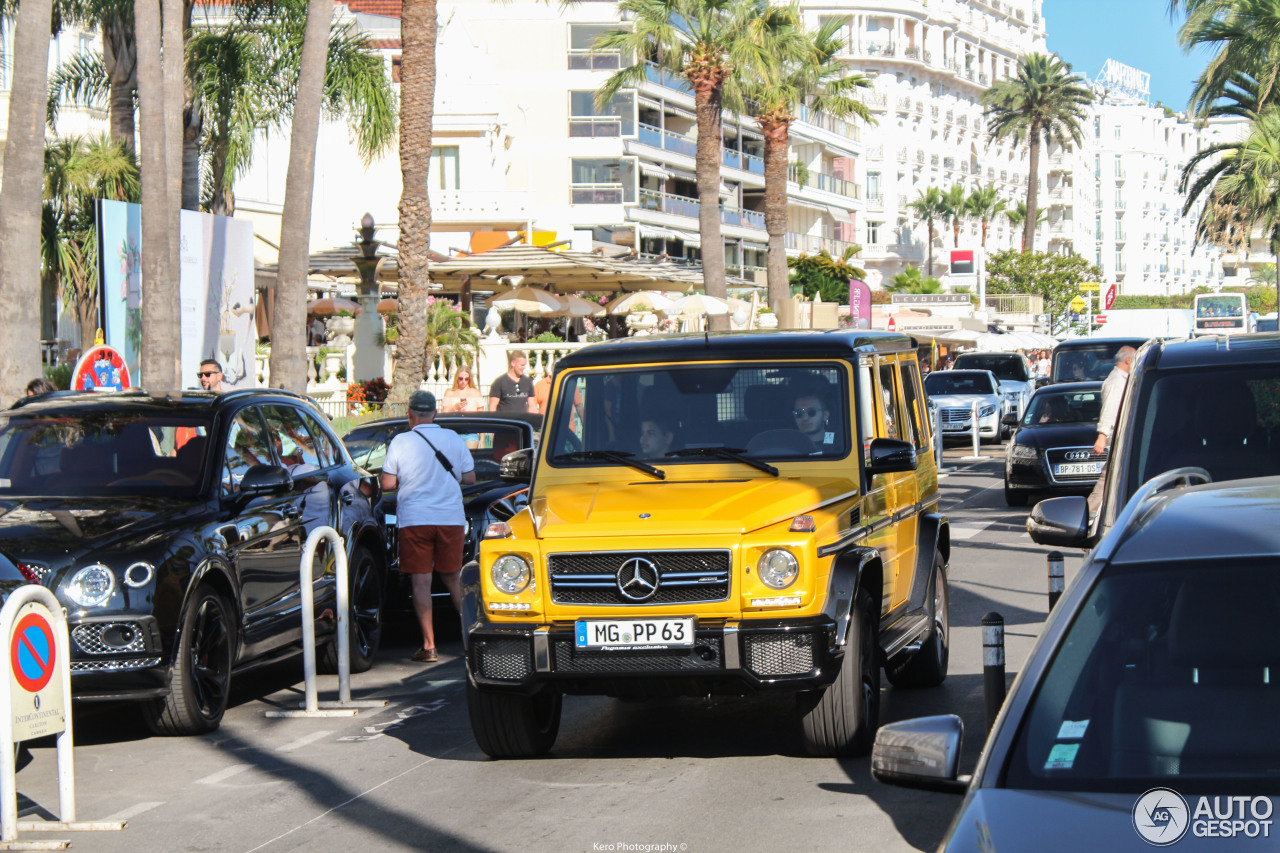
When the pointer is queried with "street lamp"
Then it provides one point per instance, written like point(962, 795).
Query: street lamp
point(528, 174)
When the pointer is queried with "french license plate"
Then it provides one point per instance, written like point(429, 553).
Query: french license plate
point(1078, 468)
point(607, 634)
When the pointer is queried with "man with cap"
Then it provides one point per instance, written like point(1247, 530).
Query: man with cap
point(427, 467)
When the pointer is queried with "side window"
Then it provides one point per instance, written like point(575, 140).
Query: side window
point(246, 446)
point(328, 454)
point(889, 402)
point(295, 444)
point(913, 402)
point(867, 405)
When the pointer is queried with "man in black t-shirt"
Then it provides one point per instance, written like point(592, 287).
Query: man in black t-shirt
point(513, 391)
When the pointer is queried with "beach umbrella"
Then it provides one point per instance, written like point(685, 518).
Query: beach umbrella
point(333, 305)
point(576, 306)
point(696, 304)
point(526, 300)
point(388, 306)
point(641, 300)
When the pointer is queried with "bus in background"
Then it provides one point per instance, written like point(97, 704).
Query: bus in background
point(1222, 313)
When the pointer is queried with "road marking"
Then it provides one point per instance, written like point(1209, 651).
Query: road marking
point(968, 531)
point(303, 741)
point(223, 774)
point(133, 811)
point(377, 730)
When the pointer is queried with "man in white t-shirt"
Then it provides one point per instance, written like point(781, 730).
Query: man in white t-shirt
point(426, 465)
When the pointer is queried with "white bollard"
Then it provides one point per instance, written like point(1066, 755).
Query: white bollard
point(312, 706)
point(937, 440)
point(45, 614)
point(973, 430)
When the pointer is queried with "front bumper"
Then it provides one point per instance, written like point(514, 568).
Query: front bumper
point(119, 656)
point(728, 656)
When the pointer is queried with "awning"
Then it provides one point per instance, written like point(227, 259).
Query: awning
point(949, 336)
point(839, 214)
point(689, 238)
point(653, 169)
point(660, 233)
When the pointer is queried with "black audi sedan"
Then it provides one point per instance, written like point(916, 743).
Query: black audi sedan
point(172, 529)
point(1052, 451)
point(1146, 713)
point(490, 436)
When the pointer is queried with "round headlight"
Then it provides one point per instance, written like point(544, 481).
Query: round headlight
point(510, 574)
point(778, 568)
point(91, 586)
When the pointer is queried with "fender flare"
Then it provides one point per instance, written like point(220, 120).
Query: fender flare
point(933, 534)
point(847, 577)
point(471, 609)
point(223, 571)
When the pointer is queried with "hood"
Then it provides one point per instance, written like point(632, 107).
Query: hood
point(1014, 386)
point(962, 401)
point(1057, 435)
point(48, 529)
point(675, 507)
point(1000, 821)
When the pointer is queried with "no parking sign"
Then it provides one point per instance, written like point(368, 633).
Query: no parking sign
point(37, 703)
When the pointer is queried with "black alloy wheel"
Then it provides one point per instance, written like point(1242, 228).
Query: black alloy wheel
point(201, 682)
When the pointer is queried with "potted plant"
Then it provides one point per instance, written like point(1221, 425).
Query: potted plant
point(765, 318)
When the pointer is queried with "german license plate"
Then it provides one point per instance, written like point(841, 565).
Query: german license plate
point(954, 427)
point(608, 634)
point(1078, 468)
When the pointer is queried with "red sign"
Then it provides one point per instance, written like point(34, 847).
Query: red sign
point(1110, 298)
point(893, 326)
point(31, 653)
point(1100, 319)
point(962, 262)
point(101, 368)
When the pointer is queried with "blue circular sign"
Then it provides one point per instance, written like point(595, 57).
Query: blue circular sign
point(31, 652)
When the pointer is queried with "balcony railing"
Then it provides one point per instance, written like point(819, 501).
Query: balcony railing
point(665, 78)
point(830, 123)
point(596, 193)
point(595, 60)
point(667, 140)
point(823, 181)
point(875, 200)
point(595, 126)
point(811, 244)
point(679, 205)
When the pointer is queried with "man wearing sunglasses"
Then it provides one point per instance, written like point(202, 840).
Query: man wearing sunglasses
point(811, 417)
point(210, 375)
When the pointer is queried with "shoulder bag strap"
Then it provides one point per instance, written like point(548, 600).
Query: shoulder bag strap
point(444, 460)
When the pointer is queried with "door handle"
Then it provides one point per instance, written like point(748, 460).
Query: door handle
point(292, 511)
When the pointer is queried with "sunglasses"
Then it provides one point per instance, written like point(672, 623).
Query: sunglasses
point(808, 412)
point(208, 373)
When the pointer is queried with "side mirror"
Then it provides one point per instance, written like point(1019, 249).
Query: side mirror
point(1010, 419)
point(890, 456)
point(265, 480)
point(1061, 522)
point(1043, 381)
point(517, 466)
point(921, 753)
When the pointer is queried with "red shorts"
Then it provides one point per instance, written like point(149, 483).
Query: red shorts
point(427, 548)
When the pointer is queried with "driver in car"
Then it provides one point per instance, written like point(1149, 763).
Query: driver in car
point(656, 437)
point(811, 416)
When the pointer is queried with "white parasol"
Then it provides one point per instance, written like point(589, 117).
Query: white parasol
point(526, 300)
point(641, 300)
point(333, 305)
point(695, 305)
point(576, 306)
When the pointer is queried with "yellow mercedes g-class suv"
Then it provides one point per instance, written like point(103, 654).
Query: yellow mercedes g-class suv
point(713, 514)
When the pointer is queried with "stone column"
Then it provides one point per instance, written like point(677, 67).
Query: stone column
point(368, 360)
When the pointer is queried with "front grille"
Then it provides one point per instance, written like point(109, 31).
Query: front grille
point(706, 655)
point(122, 637)
point(779, 654)
point(683, 577)
point(1056, 456)
point(113, 665)
point(503, 657)
point(957, 416)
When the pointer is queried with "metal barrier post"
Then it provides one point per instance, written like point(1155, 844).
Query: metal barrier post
point(1055, 578)
point(312, 706)
point(993, 665)
point(973, 430)
point(33, 625)
point(937, 440)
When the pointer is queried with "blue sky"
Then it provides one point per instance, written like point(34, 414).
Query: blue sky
point(1136, 32)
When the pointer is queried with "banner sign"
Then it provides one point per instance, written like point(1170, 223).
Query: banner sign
point(962, 262)
point(100, 368)
point(859, 304)
point(1110, 298)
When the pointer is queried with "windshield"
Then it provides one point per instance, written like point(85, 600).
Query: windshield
point(1069, 407)
point(1008, 367)
point(1165, 677)
point(766, 410)
point(1220, 306)
point(1225, 421)
point(1088, 363)
point(947, 382)
point(488, 442)
point(102, 454)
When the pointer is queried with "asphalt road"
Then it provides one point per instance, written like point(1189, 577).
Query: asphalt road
point(723, 775)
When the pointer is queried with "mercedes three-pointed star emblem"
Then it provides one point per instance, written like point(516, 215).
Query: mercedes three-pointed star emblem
point(638, 579)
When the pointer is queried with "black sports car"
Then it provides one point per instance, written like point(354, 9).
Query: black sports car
point(1052, 451)
point(172, 529)
point(491, 436)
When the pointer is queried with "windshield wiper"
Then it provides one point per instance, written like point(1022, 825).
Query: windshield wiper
point(613, 456)
point(733, 453)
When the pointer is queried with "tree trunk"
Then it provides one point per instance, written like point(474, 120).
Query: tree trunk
point(707, 166)
point(20, 198)
point(985, 222)
point(930, 261)
point(776, 142)
point(192, 125)
point(86, 308)
point(955, 232)
point(417, 102)
point(289, 325)
point(223, 202)
point(160, 316)
point(120, 57)
point(1033, 189)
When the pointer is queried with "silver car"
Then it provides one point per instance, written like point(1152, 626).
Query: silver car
point(1013, 373)
point(955, 392)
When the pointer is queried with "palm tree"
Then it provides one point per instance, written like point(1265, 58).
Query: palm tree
point(706, 42)
point(90, 78)
point(825, 276)
point(911, 281)
point(808, 74)
point(1246, 35)
point(1017, 216)
point(1045, 103)
point(955, 205)
point(928, 207)
point(984, 203)
point(449, 334)
point(289, 327)
point(20, 201)
point(417, 95)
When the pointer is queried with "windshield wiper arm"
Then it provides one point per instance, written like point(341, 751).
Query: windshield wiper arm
point(613, 456)
point(733, 453)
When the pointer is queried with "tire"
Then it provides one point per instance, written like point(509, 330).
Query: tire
point(928, 667)
point(201, 680)
point(842, 719)
point(1013, 497)
point(514, 725)
point(365, 625)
